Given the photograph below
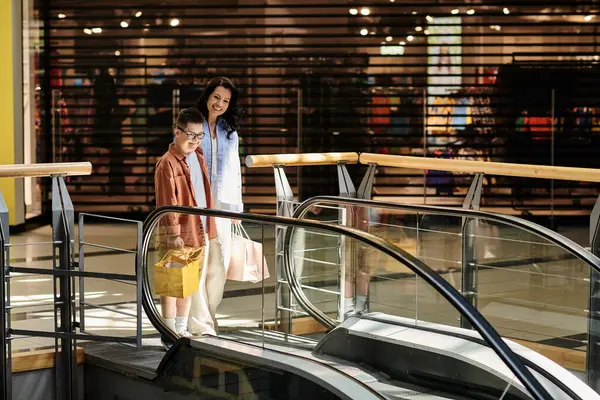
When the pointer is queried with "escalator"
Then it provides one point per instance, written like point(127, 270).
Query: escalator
point(374, 354)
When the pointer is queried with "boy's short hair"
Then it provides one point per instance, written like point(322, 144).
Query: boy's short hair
point(189, 116)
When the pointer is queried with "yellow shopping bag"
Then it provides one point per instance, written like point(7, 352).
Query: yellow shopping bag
point(177, 274)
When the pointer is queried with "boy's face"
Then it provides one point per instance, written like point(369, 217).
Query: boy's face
point(187, 138)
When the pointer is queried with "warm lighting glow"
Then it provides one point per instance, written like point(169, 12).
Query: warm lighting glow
point(402, 43)
point(97, 30)
point(588, 18)
point(61, 16)
point(364, 31)
point(353, 11)
point(389, 39)
point(138, 14)
point(455, 11)
point(418, 28)
point(391, 50)
point(426, 31)
point(414, 13)
point(506, 11)
point(429, 18)
point(117, 53)
point(365, 11)
point(410, 38)
point(471, 12)
point(87, 31)
point(124, 24)
point(174, 22)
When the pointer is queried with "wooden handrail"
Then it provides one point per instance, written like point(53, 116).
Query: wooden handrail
point(42, 170)
point(297, 160)
point(485, 167)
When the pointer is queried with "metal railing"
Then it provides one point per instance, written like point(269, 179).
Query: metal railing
point(464, 237)
point(64, 271)
point(418, 267)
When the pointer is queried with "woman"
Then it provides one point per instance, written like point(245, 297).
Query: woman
point(220, 144)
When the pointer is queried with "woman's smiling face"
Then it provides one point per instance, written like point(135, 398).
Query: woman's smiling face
point(218, 102)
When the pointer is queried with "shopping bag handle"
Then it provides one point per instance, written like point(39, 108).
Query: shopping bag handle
point(239, 230)
point(186, 255)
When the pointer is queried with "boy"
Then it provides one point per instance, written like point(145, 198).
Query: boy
point(181, 178)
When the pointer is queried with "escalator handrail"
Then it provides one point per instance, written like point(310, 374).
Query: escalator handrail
point(475, 318)
point(565, 243)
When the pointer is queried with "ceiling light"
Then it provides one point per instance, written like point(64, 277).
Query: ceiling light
point(61, 16)
point(364, 31)
point(391, 1)
point(87, 31)
point(506, 11)
point(372, 33)
point(138, 14)
point(429, 18)
point(97, 30)
point(471, 12)
point(365, 11)
point(418, 28)
point(402, 43)
point(117, 53)
point(124, 24)
point(353, 11)
point(455, 11)
point(588, 17)
point(410, 38)
point(426, 31)
point(414, 13)
point(174, 22)
point(389, 39)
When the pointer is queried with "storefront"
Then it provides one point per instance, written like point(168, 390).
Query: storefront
point(102, 81)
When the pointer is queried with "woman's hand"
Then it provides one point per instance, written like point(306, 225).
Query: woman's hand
point(236, 221)
point(175, 242)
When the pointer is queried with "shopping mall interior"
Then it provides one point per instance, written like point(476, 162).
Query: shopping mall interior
point(430, 165)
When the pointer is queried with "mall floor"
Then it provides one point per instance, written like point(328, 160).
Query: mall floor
point(527, 289)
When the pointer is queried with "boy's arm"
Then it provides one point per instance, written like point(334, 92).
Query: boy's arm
point(166, 195)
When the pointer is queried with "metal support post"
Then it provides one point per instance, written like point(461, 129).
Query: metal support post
point(473, 199)
point(468, 276)
point(347, 189)
point(62, 229)
point(345, 184)
point(365, 189)
point(139, 274)
point(593, 342)
point(469, 227)
point(5, 351)
point(285, 208)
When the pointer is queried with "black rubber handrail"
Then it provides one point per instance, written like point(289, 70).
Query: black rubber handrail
point(478, 322)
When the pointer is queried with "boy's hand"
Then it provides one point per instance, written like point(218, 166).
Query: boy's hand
point(175, 242)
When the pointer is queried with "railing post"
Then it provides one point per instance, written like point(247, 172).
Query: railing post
point(593, 342)
point(345, 183)
point(469, 226)
point(365, 189)
point(62, 229)
point(285, 208)
point(5, 351)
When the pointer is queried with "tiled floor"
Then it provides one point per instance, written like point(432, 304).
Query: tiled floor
point(543, 300)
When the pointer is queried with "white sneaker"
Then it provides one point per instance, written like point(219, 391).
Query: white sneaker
point(184, 333)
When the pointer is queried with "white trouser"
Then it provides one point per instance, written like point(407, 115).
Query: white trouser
point(212, 282)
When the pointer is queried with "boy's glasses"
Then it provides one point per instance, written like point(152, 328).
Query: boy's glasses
point(191, 135)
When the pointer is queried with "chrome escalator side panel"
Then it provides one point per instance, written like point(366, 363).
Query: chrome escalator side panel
point(460, 345)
